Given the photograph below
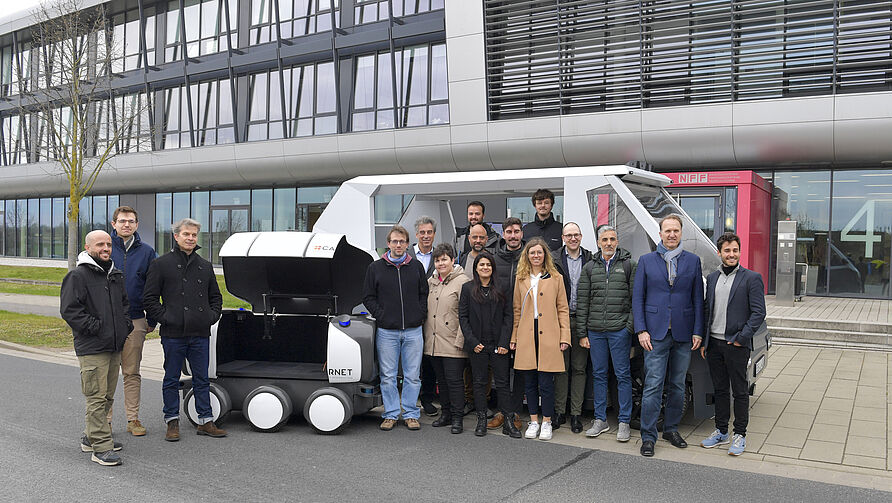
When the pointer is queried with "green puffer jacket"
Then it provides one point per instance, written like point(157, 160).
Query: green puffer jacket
point(604, 304)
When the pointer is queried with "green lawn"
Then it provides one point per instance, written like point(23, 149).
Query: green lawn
point(54, 274)
point(34, 330)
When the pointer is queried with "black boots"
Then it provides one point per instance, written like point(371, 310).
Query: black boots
point(480, 430)
point(509, 428)
point(457, 426)
point(445, 419)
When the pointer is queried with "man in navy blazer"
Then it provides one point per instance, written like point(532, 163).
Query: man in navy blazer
point(667, 306)
point(735, 309)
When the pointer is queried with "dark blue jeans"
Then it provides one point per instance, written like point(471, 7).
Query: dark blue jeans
point(196, 351)
point(539, 384)
point(668, 358)
point(614, 346)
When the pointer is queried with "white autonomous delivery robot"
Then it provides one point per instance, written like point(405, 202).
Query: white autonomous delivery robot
point(299, 348)
point(629, 199)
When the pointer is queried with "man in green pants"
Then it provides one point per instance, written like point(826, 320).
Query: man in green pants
point(93, 302)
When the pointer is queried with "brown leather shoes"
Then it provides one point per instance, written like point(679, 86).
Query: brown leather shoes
point(413, 424)
point(496, 421)
point(173, 430)
point(210, 429)
point(517, 422)
point(387, 424)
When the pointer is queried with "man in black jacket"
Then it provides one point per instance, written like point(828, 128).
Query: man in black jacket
point(93, 301)
point(192, 304)
point(570, 260)
point(544, 225)
point(735, 309)
point(476, 215)
point(395, 294)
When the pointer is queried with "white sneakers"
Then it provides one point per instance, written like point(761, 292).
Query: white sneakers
point(533, 430)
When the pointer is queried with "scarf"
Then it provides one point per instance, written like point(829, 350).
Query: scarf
point(671, 258)
point(396, 261)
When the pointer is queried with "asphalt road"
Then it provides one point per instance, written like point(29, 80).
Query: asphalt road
point(41, 420)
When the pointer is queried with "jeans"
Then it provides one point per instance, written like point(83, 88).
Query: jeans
point(397, 346)
point(668, 358)
point(727, 365)
point(539, 384)
point(481, 363)
point(614, 346)
point(196, 351)
point(99, 378)
point(450, 375)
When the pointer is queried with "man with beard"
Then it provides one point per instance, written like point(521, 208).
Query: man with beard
point(476, 214)
point(93, 301)
point(478, 239)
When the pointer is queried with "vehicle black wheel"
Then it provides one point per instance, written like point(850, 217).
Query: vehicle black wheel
point(328, 411)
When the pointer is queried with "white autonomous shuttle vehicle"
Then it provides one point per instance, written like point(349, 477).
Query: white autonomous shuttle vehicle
point(307, 345)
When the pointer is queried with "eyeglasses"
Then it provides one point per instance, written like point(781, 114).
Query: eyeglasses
point(398, 241)
point(122, 221)
point(572, 236)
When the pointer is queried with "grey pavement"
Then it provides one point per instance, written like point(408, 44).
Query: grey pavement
point(41, 461)
point(43, 305)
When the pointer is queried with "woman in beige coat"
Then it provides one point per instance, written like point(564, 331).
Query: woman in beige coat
point(541, 331)
point(443, 340)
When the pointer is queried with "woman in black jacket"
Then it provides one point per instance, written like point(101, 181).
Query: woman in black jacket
point(485, 315)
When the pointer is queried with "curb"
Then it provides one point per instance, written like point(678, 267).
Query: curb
point(28, 349)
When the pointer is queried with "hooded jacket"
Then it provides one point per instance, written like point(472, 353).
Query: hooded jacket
point(94, 304)
point(442, 330)
point(549, 229)
point(192, 299)
point(506, 266)
point(463, 246)
point(134, 263)
point(396, 294)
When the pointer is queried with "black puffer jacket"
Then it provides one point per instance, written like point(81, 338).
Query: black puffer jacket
point(506, 266)
point(549, 229)
point(192, 299)
point(604, 303)
point(94, 304)
point(396, 294)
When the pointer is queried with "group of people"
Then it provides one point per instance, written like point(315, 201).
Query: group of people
point(491, 319)
point(487, 316)
point(120, 291)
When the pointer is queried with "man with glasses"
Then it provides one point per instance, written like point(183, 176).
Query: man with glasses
point(395, 293)
point(570, 260)
point(133, 258)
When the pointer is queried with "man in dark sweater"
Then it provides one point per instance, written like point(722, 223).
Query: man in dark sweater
point(395, 294)
point(94, 303)
point(544, 225)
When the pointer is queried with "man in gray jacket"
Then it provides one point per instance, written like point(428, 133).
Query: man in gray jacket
point(93, 301)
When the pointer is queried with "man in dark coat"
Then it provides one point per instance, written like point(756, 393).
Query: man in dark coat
point(93, 302)
point(476, 215)
point(735, 309)
point(544, 225)
point(133, 258)
point(192, 304)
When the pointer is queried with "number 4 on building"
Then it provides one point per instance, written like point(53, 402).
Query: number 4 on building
point(868, 238)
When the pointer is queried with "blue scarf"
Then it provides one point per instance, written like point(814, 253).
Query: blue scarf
point(394, 261)
point(671, 258)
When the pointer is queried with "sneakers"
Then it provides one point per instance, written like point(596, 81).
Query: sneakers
point(387, 424)
point(545, 431)
point(173, 431)
point(414, 425)
point(738, 445)
point(429, 408)
point(598, 427)
point(136, 428)
point(715, 438)
point(86, 447)
point(623, 433)
point(107, 458)
point(532, 430)
point(210, 429)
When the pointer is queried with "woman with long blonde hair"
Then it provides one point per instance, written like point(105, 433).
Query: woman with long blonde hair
point(541, 331)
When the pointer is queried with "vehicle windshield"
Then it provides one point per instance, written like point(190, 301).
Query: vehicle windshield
point(659, 204)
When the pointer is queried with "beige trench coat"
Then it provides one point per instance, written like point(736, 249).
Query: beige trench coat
point(442, 334)
point(554, 324)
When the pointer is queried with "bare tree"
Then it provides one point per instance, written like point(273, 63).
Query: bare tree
point(66, 101)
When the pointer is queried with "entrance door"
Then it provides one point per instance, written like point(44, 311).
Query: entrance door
point(226, 221)
point(705, 208)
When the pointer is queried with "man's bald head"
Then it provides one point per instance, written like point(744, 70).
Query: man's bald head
point(477, 237)
point(98, 245)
